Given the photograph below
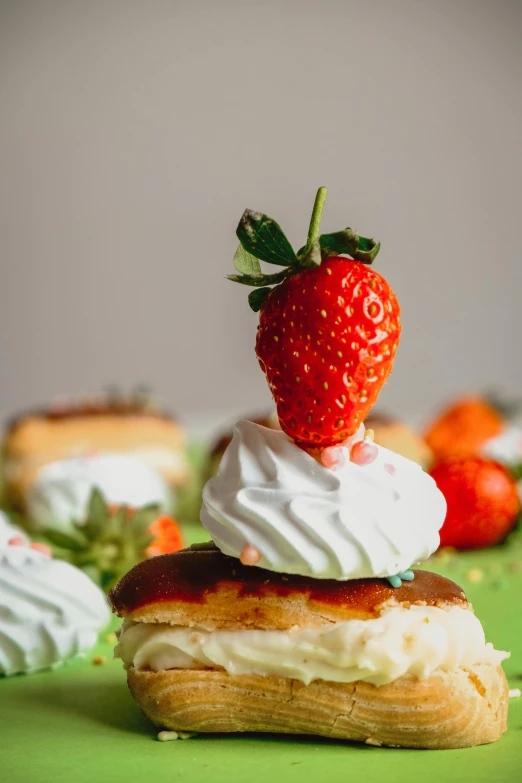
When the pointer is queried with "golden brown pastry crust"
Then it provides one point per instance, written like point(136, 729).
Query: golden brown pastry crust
point(455, 709)
point(210, 590)
point(37, 439)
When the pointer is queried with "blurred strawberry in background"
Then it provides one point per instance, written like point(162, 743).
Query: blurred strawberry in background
point(167, 537)
point(462, 429)
point(483, 426)
point(483, 502)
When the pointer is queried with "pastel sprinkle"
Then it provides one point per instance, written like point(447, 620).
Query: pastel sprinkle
point(111, 638)
point(395, 581)
point(514, 693)
point(475, 575)
point(250, 555)
point(363, 452)
point(406, 576)
point(98, 660)
point(16, 541)
point(389, 468)
point(43, 548)
point(333, 457)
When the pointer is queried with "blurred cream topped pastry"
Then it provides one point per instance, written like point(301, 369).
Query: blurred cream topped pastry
point(375, 519)
point(394, 434)
point(50, 611)
point(106, 426)
point(61, 490)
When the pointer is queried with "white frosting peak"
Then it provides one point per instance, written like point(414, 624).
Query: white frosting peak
point(372, 520)
point(49, 611)
point(62, 489)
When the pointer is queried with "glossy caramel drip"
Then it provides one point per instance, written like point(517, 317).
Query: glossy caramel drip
point(190, 576)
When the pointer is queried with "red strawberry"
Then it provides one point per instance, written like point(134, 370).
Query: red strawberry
point(483, 502)
point(327, 332)
point(326, 341)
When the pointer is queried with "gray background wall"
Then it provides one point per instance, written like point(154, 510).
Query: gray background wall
point(133, 135)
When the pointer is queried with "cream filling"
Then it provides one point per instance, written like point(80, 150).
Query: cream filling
point(415, 641)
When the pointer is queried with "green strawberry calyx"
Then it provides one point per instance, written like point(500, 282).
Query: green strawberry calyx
point(109, 543)
point(262, 239)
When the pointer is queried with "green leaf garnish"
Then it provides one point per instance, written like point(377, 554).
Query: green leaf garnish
point(96, 515)
point(263, 238)
point(245, 262)
point(257, 298)
point(516, 470)
point(348, 242)
point(73, 540)
point(259, 280)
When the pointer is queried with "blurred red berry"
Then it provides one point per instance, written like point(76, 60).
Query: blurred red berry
point(483, 502)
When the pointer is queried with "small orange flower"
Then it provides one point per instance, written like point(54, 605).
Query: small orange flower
point(167, 537)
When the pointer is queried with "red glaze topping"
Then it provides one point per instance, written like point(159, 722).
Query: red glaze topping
point(191, 575)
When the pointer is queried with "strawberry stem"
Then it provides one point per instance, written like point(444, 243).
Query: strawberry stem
point(315, 221)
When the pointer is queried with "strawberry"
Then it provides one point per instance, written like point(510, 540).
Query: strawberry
point(328, 330)
point(463, 428)
point(483, 502)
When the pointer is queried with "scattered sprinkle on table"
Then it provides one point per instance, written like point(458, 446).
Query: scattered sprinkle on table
point(111, 638)
point(514, 693)
point(475, 575)
point(167, 736)
point(99, 660)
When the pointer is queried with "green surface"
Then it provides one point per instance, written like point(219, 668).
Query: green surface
point(79, 723)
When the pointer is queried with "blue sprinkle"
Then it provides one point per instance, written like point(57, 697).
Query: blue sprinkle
point(407, 576)
point(395, 581)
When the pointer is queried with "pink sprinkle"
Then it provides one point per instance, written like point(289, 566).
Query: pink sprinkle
point(250, 555)
point(333, 457)
point(43, 548)
point(364, 452)
point(390, 468)
point(16, 541)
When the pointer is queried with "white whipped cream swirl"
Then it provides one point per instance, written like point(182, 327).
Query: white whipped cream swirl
point(372, 520)
point(62, 489)
point(50, 611)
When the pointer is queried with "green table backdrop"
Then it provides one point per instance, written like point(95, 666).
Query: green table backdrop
point(79, 723)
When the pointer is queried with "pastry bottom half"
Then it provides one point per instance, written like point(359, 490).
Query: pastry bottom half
point(455, 709)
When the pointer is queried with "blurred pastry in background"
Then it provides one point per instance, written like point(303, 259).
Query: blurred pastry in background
point(50, 611)
point(130, 425)
point(220, 445)
point(61, 490)
point(474, 426)
point(392, 433)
